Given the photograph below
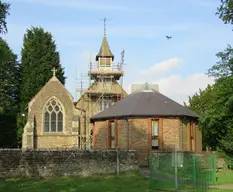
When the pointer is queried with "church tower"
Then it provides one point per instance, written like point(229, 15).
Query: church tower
point(104, 90)
point(106, 74)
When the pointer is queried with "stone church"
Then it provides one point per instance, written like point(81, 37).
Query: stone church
point(56, 121)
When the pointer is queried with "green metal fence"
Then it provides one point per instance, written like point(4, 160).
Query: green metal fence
point(229, 163)
point(182, 171)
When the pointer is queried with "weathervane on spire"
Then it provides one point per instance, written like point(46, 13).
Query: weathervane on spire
point(105, 19)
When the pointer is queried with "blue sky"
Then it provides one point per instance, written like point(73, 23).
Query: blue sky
point(177, 65)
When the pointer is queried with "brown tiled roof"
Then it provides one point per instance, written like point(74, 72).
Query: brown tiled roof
point(145, 104)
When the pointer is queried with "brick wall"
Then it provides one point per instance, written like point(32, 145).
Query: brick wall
point(66, 162)
point(134, 134)
point(171, 133)
point(139, 138)
point(135, 129)
point(100, 135)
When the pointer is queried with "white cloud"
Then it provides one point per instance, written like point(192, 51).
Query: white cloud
point(162, 67)
point(176, 87)
point(179, 88)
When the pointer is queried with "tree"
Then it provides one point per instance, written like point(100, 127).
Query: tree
point(9, 78)
point(225, 11)
point(4, 11)
point(38, 58)
point(202, 103)
point(215, 104)
point(224, 67)
point(9, 95)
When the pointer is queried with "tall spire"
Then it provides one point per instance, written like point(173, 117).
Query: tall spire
point(105, 49)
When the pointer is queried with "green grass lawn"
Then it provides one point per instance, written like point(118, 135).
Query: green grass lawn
point(130, 182)
point(225, 177)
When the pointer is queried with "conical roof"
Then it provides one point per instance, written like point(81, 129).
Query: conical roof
point(145, 104)
point(104, 49)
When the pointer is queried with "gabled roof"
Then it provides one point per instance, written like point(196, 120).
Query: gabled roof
point(53, 78)
point(145, 104)
point(104, 49)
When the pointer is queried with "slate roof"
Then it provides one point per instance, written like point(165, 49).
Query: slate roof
point(144, 104)
point(104, 49)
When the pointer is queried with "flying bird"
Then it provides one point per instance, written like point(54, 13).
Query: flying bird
point(168, 37)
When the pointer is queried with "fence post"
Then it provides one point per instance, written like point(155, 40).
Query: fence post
point(176, 171)
point(150, 167)
point(214, 169)
point(118, 161)
point(194, 170)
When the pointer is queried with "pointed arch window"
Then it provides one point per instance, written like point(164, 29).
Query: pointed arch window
point(53, 116)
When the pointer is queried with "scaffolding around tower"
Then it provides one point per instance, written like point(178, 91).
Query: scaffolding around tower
point(100, 88)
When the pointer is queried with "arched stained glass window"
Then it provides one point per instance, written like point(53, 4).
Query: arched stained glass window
point(53, 116)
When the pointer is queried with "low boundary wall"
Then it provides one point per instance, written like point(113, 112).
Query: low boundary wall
point(15, 163)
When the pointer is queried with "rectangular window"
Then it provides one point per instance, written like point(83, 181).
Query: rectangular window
point(154, 135)
point(105, 62)
point(100, 105)
point(104, 103)
point(112, 134)
point(155, 128)
point(155, 143)
point(112, 131)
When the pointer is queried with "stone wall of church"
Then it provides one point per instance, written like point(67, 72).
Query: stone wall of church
point(34, 135)
point(36, 106)
point(52, 163)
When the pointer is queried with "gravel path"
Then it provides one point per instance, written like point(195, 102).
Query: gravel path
point(225, 186)
point(145, 171)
